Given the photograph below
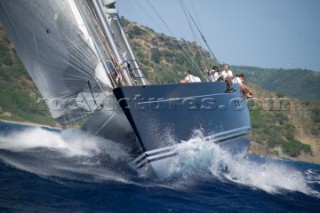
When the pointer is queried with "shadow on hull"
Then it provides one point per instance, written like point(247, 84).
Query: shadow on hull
point(152, 119)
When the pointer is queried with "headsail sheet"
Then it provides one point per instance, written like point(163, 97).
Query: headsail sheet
point(53, 43)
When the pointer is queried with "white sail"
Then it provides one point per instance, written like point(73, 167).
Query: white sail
point(54, 44)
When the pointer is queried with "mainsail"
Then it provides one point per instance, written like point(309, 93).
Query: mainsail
point(76, 52)
point(60, 54)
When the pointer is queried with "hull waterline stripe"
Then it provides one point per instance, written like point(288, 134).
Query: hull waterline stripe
point(163, 153)
point(156, 159)
point(153, 152)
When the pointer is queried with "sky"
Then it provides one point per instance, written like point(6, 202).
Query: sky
point(264, 33)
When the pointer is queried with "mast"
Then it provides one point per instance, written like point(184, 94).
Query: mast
point(112, 11)
point(106, 29)
point(108, 17)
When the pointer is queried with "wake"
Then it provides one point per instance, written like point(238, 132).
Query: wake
point(197, 156)
point(75, 155)
point(72, 154)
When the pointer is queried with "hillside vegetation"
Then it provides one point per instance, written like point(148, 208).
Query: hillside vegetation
point(165, 59)
point(297, 83)
point(17, 91)
point(288, 128)
point(281, 126)
point(284, 127)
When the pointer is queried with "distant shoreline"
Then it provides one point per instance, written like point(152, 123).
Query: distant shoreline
point(27, 123)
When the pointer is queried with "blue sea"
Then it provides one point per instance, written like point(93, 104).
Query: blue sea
point(49, 170)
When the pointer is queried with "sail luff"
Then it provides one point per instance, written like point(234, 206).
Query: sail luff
point(103, 70)
point(108, 34)
point(141, 75)
point(97, 7)
point(56, 50)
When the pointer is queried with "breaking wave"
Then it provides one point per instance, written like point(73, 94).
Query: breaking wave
point(197, 158)
point(74, 154)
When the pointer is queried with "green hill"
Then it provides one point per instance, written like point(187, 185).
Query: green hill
point(17, 91)
point(290, 133)
point(165, 59)
point(284, 127)
point(296, 83)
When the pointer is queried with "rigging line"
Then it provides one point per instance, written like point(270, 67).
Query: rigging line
point(197, 17)
point(92, 93)
point(106, 123)
point(109, 53)
point(194, 35)
point(99, 30)
point(159, 16)
point(103, 91)
point(155, 69)
point(178, 26)
point(187, 14)
point(175, 18)
point(110, 56)
point(117, 67)
point(196, 14)
point(184, 9)
point(153, 20)
point(86, 101)
point(186, 54)
point(202, 36)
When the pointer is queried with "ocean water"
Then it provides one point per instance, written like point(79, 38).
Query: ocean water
point(47, 170)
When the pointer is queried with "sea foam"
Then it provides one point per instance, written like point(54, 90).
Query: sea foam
point(205, 158)
point(72, 154)
point(76, 155)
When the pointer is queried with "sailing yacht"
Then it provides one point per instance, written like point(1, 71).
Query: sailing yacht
point(78, 55)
